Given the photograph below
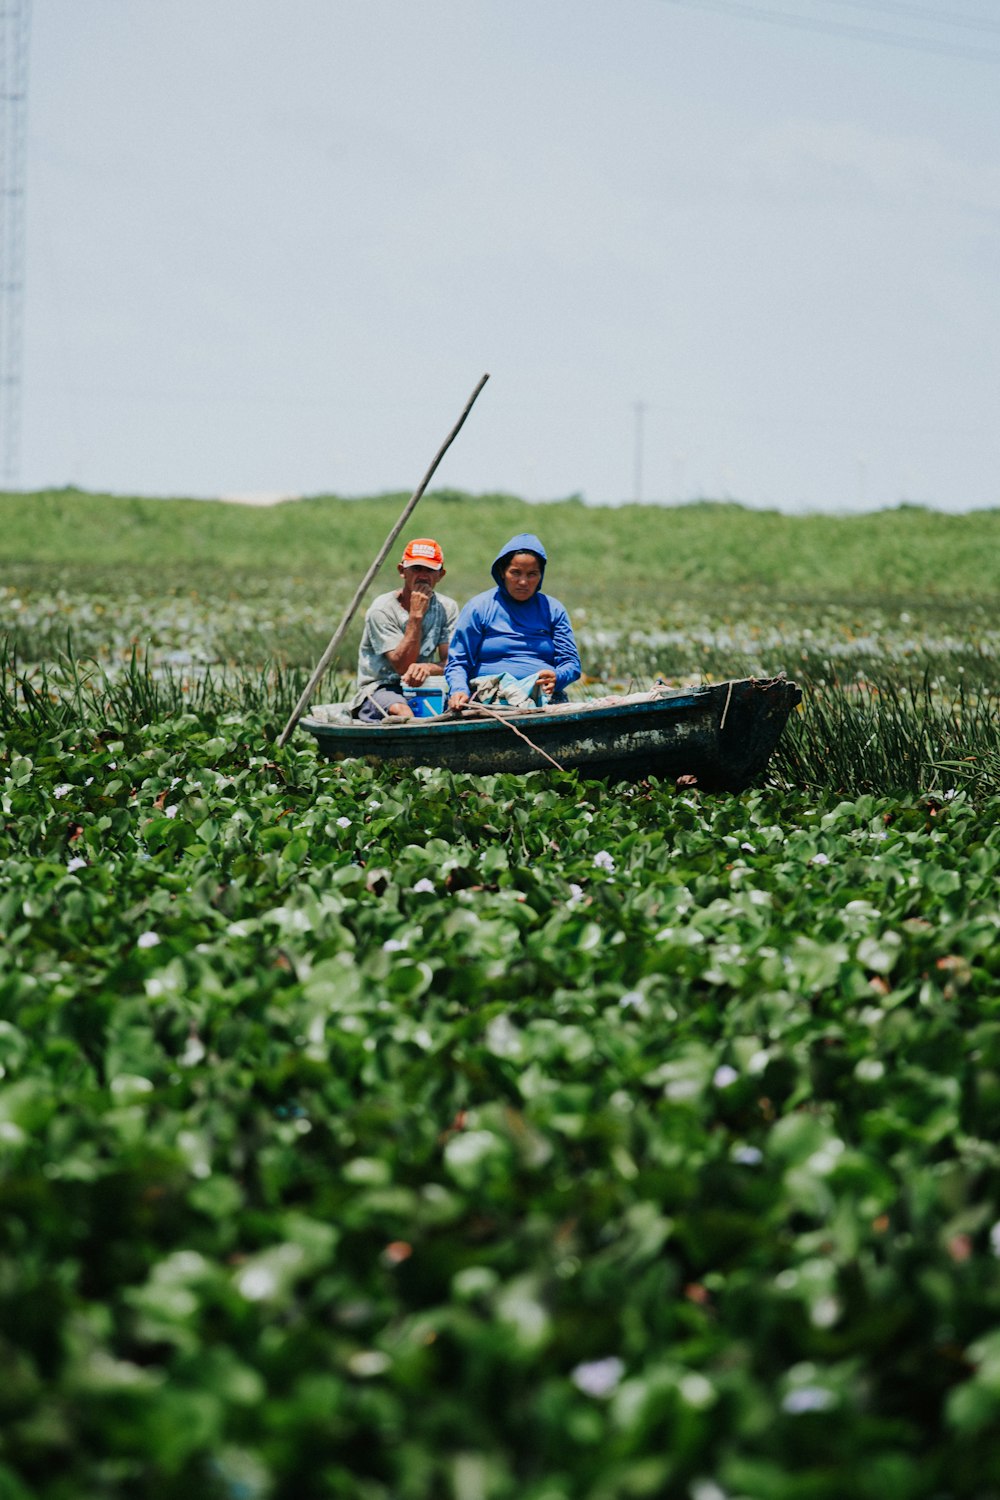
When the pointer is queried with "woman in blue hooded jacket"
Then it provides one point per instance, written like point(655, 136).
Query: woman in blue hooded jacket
point(513, 629)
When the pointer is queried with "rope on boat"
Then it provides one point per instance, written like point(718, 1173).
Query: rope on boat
point(491, 714)
point(722, 721)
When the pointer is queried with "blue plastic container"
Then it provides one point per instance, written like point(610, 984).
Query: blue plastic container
point(426, 701)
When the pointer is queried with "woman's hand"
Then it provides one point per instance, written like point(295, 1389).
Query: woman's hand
point(457, 702)
point(546, 680)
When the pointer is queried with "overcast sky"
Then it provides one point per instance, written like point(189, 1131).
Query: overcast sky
point(703, 248)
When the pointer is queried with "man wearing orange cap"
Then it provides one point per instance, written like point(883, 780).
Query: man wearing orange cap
point(406, 635)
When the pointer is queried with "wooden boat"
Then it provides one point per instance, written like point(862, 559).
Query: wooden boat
point(722, 735)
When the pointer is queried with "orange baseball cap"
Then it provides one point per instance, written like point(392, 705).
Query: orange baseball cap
point(423, 553)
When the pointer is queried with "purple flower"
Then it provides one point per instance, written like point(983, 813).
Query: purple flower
point(808, 1398)
point(598, 1377)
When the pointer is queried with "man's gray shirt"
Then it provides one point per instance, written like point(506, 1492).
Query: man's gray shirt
point(385, 625)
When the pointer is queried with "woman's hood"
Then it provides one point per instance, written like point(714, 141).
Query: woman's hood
point(525, 541)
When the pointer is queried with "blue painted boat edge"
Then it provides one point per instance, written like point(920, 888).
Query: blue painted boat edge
point(440, 725)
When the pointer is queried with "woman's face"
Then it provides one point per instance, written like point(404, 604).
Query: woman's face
point(522, 575)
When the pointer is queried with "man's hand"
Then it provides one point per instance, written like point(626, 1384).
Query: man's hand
point(457, 701)
point(420, 597)
point(417, 673)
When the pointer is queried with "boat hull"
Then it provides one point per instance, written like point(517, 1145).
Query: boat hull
point(722, 735)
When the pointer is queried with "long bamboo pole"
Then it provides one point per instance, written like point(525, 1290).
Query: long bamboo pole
point(352, 608)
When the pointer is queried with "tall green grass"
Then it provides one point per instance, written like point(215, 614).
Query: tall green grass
point(888, 736)
point(78, 693)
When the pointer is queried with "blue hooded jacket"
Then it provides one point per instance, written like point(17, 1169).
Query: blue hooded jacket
point(496, 633)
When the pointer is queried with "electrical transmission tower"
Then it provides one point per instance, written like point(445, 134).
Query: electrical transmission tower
point(15, 21)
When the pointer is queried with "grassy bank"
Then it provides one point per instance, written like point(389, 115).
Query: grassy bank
point(598, 556)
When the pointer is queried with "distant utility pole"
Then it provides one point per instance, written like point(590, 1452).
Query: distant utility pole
point(639, 408)
point(15, 22)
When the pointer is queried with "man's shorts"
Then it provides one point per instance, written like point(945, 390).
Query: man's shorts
point(376, 706)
